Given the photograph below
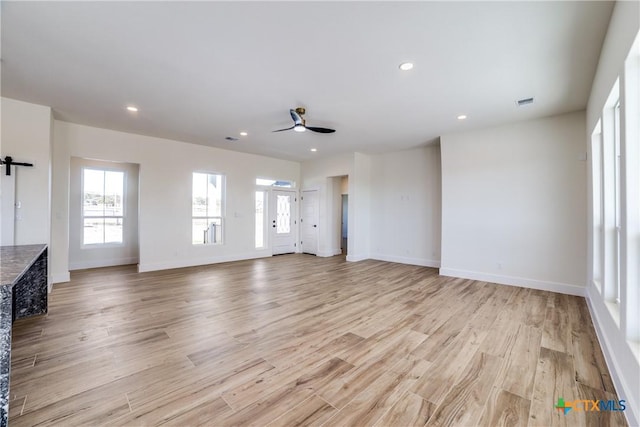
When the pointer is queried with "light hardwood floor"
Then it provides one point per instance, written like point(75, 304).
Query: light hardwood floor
point(296, 339)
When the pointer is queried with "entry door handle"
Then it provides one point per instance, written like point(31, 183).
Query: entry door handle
point(314, 226)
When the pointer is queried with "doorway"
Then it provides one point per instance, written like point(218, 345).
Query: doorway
point(309, 222)
point(283, 224)
point(345, 223)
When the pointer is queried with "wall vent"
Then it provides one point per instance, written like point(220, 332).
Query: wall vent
point(231, 138)
point(525, 101)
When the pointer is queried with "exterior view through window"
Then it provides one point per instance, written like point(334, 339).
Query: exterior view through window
point(102, 206)
point(207, 208)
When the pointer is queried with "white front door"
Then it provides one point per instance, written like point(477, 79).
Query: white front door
point(309, 222)
point(283, 223)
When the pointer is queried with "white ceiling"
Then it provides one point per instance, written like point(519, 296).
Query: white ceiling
point(201, 71)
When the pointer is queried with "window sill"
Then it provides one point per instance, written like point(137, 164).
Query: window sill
point(102, 246)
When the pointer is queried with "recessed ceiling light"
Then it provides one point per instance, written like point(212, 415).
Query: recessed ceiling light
point(243, 134)
point(314, 150)
point(132, 108)
point(406, 66)
point(462, 117)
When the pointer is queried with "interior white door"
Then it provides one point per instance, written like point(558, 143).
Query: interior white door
point(309, 222)
point(283, 223)
point(7, 207)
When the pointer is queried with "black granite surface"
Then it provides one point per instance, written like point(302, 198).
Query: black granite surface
point(15, 260)
point(23, 271)
point(5, 352)
point(31, 289)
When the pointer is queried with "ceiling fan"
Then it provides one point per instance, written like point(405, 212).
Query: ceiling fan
point(299, 123)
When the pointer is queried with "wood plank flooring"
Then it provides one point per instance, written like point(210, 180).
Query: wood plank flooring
point(301, 340)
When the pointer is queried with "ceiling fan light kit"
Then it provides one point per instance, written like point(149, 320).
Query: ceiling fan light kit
point(299, 124)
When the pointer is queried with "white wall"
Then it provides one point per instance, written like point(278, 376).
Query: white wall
point(166, 169)
point(318, 175)
point(359, 243)
point(26, 136)
point(81, 256)
point(624, 366)
point(59, 254)
point(406, 206)
point(514, 207)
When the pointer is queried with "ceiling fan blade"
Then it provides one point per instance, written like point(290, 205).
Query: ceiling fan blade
point(320, 130)
point(280, 130)
point(296, 117)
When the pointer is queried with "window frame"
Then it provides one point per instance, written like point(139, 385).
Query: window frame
point(104, 244)
point(223, 203)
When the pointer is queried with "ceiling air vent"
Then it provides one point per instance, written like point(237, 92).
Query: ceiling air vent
point(525, 101)
point(231, 138)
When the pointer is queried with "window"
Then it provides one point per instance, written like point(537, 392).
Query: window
point(275, 183)
point(207, 208)
point(261, 218)
point(598, 230)
point(283, 214)
point(611, 203)
point(617, 196)
point(615, 189)
point(102, 206)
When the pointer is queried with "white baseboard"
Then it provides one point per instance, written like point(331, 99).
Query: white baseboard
point(612, 358)
point(60, 278)
point(181, 263)
point(355, 258)
point(331, 252)
point(563, 288)
point(407, 260)
point(81, 265)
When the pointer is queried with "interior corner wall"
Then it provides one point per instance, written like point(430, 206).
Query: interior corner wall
point(359, 241)
point(514, 207)
point(60, 207)
point(623, 365)
point(334, 184)
point(317, 175)
point(406, 206)
point(26, 136)
point(166, 169)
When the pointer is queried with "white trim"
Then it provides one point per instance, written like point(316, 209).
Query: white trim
point(59, 278)
point(563, 288)
point(331, 252)
point(355, 258)
point(407, 260)
point(166, 265)
point(81, 265)
point(623, 389)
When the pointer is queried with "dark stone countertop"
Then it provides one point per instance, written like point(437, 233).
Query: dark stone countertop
point(15, 260)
